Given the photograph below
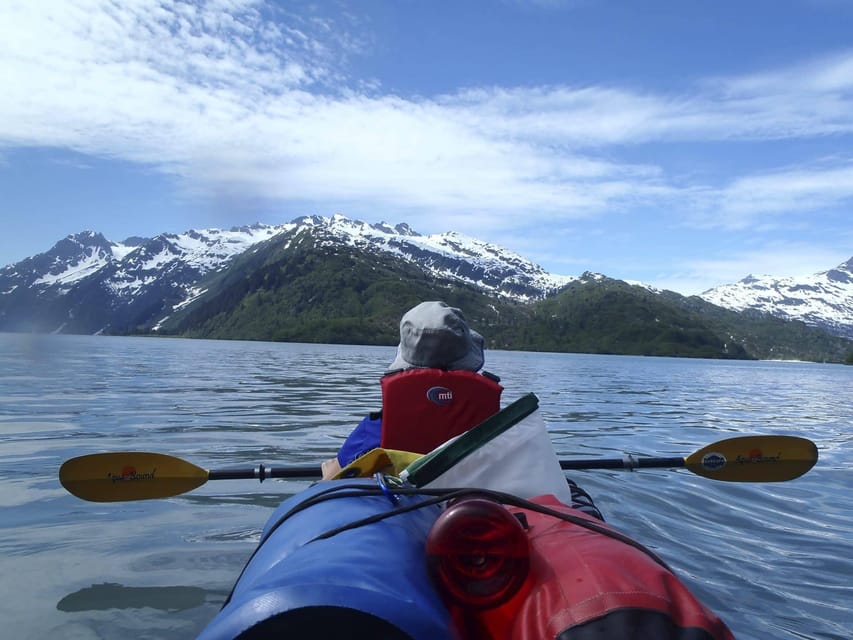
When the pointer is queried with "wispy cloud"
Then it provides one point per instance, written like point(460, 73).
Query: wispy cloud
point(230, 100)
point(808, 99)
point(749, 200)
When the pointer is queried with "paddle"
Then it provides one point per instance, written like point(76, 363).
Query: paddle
point(138, 475)
point(739, 459)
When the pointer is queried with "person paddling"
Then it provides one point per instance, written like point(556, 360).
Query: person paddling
point(432, 389)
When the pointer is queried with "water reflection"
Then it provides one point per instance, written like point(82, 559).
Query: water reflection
point(111, 595)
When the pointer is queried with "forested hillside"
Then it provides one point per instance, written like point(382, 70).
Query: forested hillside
point(302, 291)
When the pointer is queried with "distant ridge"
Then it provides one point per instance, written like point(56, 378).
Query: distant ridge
point(333, 279)
point(136, 284)
point(823, 300)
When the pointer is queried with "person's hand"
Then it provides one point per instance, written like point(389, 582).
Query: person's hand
point(330, 468)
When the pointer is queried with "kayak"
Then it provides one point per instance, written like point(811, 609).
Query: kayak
point(308, 586)
point(482, 538)
point(378, 558)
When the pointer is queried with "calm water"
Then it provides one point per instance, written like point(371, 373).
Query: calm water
point(774, 560)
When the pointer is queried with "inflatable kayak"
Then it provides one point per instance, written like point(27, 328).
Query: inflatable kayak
point(371, 558)
point(482, 538)
point(477, 540)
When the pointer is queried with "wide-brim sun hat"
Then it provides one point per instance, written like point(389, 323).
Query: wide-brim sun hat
point(435, 335)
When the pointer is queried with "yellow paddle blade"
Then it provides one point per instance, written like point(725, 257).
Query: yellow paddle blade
point(754, 459)
point(129, 475)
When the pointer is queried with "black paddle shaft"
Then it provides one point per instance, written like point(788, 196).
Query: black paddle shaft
point(261, 473)
point(628, 462)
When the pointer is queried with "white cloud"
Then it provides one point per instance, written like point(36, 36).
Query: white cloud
point(830, 74)
point(810, 99)
point(785, 198)
point(231, 101)
point(799, 190)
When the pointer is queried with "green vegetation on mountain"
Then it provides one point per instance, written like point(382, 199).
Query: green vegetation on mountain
point(612, 317)
point(764, 336)
point(303, 290)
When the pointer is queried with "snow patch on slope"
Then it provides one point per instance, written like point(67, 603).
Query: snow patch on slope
point(822, 299)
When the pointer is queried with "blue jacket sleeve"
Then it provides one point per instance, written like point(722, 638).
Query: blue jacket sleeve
point(366, 436)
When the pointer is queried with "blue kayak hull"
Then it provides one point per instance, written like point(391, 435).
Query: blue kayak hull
point(343, 586)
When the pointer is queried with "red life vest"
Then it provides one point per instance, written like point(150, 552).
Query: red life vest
point(422, 408)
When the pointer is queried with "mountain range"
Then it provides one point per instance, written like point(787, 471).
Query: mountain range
point(333, 279)
point(823, 299)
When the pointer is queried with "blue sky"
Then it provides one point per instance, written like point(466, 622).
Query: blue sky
point(682, 144)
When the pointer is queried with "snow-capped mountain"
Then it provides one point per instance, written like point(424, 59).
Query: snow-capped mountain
point(137, 261)
point(823, 299)
point(446, 255)
point(71, 259)
point(87, 284)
